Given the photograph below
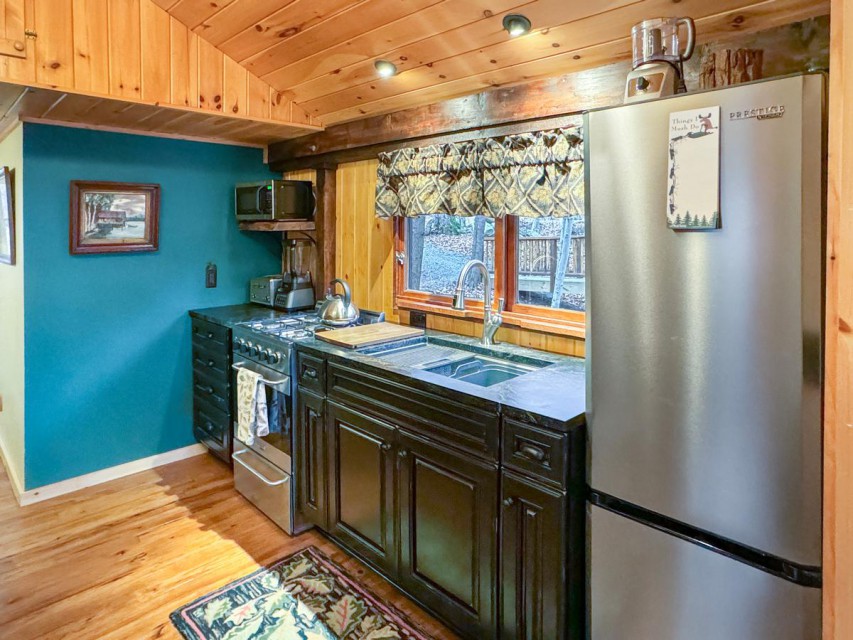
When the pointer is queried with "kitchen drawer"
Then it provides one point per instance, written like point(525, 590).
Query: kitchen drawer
point(212, 358)
point(538, 452)
point(441, 419)
point(213, 422)
point(214, 333)
point(212, 388)
point(311, 373)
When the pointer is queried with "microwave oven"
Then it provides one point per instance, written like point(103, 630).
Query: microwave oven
point(274, 200)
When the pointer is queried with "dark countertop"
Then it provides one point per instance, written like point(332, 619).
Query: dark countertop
point(553, 396)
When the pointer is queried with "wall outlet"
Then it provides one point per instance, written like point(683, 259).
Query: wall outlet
point(210, 276)
point(417, 319)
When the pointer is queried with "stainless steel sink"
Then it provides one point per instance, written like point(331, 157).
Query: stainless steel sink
point(443, 359)
point(483, 370)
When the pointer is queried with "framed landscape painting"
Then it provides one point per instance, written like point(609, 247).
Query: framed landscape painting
point(114, 217)
point(7, 217)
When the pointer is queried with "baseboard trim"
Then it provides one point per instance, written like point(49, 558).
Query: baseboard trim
point(105, 475)
point(14, 480)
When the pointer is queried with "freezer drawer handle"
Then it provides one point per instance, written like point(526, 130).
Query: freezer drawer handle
point(533, 453)
point(266, 481)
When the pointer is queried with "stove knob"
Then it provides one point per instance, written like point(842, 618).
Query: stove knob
point(251, 349)
point(265, 354)
point(241, 345)
point(275, 357)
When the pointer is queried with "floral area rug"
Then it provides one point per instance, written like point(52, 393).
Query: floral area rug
point(305, 596)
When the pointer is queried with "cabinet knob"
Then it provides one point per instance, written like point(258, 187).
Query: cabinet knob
point(210, 363)
point(310, 373)
point(509, 502)
point(402, 453)
point(385, 446)
point(210, 334)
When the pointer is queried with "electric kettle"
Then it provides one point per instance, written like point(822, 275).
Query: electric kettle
point(338, 311)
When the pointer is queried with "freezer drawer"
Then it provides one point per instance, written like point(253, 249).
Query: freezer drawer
point(649, 585)
point(264, 485)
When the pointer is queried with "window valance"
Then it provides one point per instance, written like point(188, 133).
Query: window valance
point(531, 174)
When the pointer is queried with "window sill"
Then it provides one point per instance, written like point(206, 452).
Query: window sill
point(553, 326)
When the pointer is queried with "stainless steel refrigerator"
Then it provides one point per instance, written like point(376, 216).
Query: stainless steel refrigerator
point(704, 367)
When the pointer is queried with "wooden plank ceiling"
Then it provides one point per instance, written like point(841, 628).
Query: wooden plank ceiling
point(321, 52)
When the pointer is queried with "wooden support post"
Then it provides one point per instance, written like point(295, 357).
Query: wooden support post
point(838, 412)
point(325, 220)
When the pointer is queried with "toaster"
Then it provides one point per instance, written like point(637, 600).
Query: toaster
point(262, 290)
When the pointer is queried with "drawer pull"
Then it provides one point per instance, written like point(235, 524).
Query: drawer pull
point(532, 453)
point(402, 453)
point(210, 363)
point(508, 502)
point(210, 334)
point(207, 389)
point(385, 446)
point(308, 372)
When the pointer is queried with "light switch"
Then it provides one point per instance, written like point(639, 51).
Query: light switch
point(210, 276)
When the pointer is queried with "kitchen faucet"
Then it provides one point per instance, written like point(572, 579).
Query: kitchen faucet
point(491, 320)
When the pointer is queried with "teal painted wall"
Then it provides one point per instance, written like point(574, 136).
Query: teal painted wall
point(107, 347)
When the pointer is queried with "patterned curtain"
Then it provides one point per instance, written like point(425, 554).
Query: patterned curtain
point(441, 178)
point(532, 174)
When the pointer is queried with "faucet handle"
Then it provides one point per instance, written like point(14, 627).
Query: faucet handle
point(501, 304)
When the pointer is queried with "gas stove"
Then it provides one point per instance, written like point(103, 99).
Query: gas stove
point(288, 327)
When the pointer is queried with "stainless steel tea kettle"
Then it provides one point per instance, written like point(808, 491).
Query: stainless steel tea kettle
point(338, 311)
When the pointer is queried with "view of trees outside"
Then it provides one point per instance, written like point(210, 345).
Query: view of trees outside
point(439, 246)
point(550, 257)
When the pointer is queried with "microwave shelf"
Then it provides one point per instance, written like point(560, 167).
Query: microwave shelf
point(278, 225)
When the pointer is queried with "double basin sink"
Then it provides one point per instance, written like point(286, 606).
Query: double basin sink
point(454, 361)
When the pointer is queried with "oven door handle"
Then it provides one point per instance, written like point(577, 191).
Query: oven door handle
point(239, 366)
point(236, 455)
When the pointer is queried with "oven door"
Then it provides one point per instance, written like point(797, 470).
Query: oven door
point(277, 446)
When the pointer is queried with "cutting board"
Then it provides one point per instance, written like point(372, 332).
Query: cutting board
point(369, 335)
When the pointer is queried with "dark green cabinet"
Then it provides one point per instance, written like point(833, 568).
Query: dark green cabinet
point(478, 517)
point(533, 560)
point(310, 460)
point(362, 485)
point(448, 531)
point(212, 401)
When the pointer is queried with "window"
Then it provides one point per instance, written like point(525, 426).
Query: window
point(537, 266)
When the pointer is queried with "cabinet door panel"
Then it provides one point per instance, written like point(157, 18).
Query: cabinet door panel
point(310, 460)
point(361, 485)
point(533, 561)
point(12, 38)
point(448, 518)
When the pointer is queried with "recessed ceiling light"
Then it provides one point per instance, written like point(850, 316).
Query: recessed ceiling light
point(516, 24)
point(385, 69)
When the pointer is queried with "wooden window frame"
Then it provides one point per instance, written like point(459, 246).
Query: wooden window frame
point(542, 319)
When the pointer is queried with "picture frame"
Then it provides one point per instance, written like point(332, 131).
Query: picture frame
point(113, 217)
point(7, 216)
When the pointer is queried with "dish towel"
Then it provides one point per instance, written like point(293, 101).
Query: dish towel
point(251, 407)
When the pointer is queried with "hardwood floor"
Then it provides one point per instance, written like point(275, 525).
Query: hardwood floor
point(112, 562)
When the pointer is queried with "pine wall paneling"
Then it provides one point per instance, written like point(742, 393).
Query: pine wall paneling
point(838, 412)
